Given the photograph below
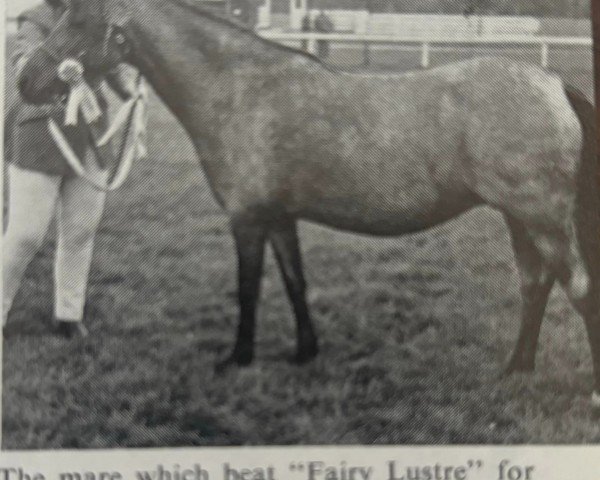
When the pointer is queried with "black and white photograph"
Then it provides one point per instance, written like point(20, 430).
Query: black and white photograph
point(300, 222)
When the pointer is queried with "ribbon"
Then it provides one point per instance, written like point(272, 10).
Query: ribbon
point(83, 100)
point(75, 163)
point(138, 124)
point(81, 96)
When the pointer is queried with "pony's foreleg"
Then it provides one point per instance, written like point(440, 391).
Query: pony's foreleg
point(284, 239)
point(536, 284)
point(250, 237)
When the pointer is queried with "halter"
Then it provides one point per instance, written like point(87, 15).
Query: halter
point(120, 39)
point(113, 29)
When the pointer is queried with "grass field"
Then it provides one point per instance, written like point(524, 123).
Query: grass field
point(414, 331)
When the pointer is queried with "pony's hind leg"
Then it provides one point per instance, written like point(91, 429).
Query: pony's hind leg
point(588, 307)
point(284, 239)
point(536, 284)
point(578, 270)
point(581, 280)
point(582, 276)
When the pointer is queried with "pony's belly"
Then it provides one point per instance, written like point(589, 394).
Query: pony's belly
point(377, 214)
point(390, 225)
point(386, 197)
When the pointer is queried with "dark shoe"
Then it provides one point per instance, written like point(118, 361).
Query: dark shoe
point(70, 329)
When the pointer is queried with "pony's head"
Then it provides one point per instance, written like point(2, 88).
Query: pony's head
point(88, 31)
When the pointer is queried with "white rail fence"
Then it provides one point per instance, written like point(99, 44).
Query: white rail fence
point(443, 25)
point(428, 44)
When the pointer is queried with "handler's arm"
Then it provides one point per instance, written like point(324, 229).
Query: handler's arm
point(29, 36)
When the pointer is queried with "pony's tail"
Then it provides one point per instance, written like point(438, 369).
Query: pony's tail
point(587, 216)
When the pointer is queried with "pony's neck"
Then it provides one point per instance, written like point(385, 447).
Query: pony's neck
point(189, 56)
point(217, 40)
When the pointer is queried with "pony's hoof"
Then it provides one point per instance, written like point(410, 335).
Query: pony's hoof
point(234, 360)
point(70, 330)
point(305, 355)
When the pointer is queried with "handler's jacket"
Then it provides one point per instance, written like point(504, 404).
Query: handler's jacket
point(26, 149)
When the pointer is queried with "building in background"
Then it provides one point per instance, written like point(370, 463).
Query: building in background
point(289, 13)
point(252, 13)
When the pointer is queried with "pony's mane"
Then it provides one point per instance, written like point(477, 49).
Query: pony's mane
point(197, 9)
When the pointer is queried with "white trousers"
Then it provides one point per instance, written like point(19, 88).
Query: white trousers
point(34, 199)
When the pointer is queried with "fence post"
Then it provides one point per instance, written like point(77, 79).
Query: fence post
point(366, 55)
point(545, 55)
point(425, 55)
point(311, 45)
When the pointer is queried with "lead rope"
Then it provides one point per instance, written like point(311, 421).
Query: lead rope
point(131, 114)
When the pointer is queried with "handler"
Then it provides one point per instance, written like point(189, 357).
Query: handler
point(323, 24)
point(43, 185)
